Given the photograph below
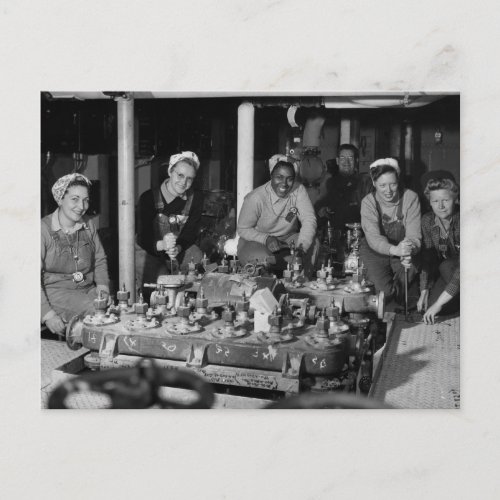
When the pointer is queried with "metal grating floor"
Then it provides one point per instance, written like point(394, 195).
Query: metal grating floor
point(53, 355)
point(420, 366)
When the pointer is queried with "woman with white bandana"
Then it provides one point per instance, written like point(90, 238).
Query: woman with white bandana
point(273, 216)
point(168, 219)
point(73, 263)
point(390, 218)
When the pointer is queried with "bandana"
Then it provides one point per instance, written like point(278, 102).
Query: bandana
point(61, 185)
point(276, 158)
point(174, 159)
point(391, 162)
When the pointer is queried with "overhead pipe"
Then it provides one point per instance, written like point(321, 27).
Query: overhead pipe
point(126, 190)
point(312, 131)
point(245, 165)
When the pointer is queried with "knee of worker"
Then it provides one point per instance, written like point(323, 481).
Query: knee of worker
point(382, 278)
point(192, 254)
point(251, 252)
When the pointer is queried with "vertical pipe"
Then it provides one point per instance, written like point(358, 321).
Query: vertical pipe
point(395, 140)
point(126, 205)
point(345, 131)
point(408, 147)
point(350, 130)
point(245, 166)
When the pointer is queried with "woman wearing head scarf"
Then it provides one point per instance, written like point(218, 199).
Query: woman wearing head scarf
point(169, 218)
point(390, 218)
point(74, 266)
point(273, 216)
point(440, 276)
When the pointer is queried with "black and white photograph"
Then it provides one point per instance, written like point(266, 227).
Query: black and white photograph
point(250, 251)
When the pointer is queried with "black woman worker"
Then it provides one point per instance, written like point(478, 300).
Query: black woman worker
point(273, 216)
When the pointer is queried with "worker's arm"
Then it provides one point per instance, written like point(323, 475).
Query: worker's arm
point(250, 213)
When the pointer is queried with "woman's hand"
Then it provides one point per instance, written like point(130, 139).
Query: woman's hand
point(272, 244)
point(169, 242)
point(403, 249)
point(423, 301)
point(56, 325)
point(431, 313)
point(174, 251)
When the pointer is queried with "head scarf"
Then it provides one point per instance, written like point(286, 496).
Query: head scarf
point(184, 155)
point(279, 157)
point(61, 185)
point(391, 162)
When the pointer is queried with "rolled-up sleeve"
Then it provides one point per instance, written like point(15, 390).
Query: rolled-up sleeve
point(453, 287)
point(248, 218)
point(45, 306)
point(412, 214)
point(371, 226)
point(428, 251)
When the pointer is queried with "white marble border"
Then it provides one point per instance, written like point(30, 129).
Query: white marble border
point(263, 46)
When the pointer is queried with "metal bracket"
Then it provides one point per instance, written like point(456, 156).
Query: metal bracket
point(292, 364)
point(197, 357)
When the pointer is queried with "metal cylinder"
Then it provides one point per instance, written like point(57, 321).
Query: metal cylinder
point(363, 303)
point(246, 116)
point(126, 202)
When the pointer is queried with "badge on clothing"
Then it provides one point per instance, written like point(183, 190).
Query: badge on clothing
point(291, 214)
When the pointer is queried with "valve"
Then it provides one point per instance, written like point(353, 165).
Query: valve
point(201, 302)
point(123, 297)
point(242, 308)
point(224, 267)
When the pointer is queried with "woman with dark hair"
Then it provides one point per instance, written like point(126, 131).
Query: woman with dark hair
point(168, 221)
point(74, 266)
point(440, 250)
point(390, 218)
point(270, 217)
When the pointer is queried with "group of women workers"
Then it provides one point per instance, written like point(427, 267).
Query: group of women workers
point(397, 239)
point(274, 217)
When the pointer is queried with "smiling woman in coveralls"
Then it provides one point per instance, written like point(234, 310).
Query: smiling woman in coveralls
point(74, 266)
point(169, 220)
point(390, 218)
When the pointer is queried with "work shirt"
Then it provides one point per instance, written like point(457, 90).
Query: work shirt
point(343, 196)
point(58, 264)
point(370, 219)
point(432, 254)
point(264, 214)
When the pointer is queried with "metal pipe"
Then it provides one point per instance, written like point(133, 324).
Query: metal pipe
point(126, 203)
point(408, 147)
point(349, 129)
point(245, 167)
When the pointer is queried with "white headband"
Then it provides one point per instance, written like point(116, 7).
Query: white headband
point(278, 157)
point(184, 155)
point(390, 162)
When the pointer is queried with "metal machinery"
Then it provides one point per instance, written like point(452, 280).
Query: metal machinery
point(317, 337)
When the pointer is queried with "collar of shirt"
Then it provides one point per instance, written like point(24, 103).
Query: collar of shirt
point(277, 199)
point(436, 220)
point(170, 197)
point(56, 226)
